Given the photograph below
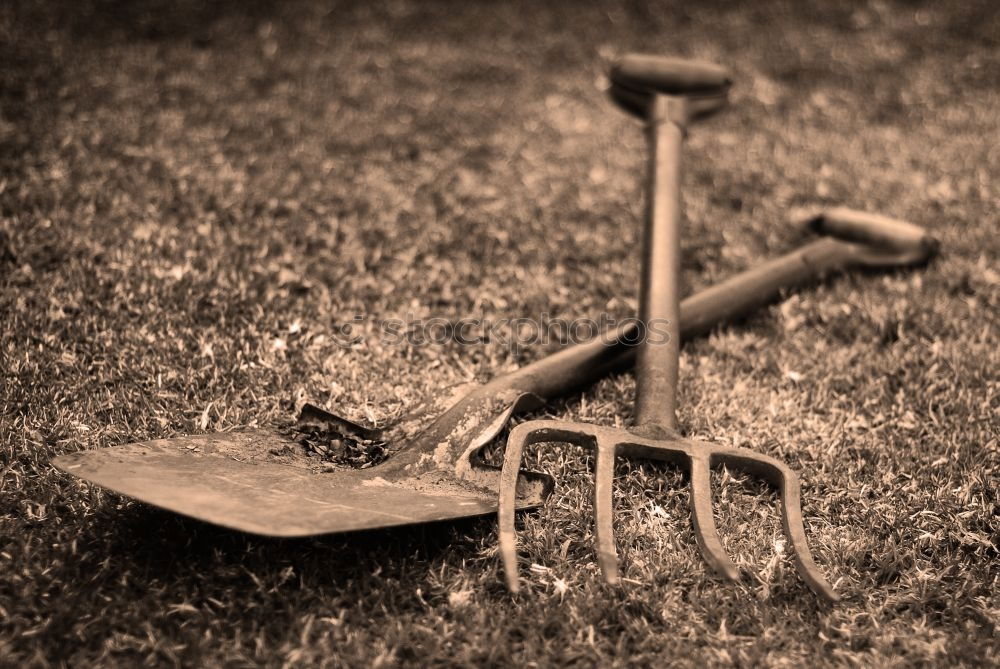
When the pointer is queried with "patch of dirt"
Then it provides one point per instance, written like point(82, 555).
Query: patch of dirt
point(332, 446)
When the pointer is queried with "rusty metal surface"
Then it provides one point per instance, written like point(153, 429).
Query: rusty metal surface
point(229, 480)
point(696, 456)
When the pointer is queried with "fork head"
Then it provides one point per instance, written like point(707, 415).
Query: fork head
point(697, 456)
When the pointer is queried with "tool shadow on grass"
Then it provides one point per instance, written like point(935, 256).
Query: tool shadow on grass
point(169, 547)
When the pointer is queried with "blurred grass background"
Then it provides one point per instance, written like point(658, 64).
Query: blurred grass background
point(193, 195)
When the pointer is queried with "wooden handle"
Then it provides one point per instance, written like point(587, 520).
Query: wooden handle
point(872, 229)
point(637, 78)
point(659, 292)
point(579, 365)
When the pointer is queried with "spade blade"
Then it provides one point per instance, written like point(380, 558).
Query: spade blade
point(235, 480)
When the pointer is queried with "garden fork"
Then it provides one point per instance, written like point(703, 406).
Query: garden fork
point(651, 87)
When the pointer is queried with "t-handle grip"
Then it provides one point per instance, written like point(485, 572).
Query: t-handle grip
point(873, 229)
point(636, 78)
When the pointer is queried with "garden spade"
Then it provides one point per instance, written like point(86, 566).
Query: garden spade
point(262, 482)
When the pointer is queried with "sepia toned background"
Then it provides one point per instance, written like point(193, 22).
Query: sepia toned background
point(195, 196)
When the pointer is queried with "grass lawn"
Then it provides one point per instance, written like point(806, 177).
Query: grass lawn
point(193, 197)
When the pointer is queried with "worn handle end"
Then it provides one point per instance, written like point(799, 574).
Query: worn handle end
point(636, 78)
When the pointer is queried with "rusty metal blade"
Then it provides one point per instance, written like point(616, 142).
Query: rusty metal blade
point(201, 477)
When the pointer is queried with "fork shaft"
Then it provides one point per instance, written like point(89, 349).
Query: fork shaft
point(659, 290)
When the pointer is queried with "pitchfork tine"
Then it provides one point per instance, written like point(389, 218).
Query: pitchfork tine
point(791, 518)
point(508, 499)
point(704, 522)
point(607, 557)
point(779, 475)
